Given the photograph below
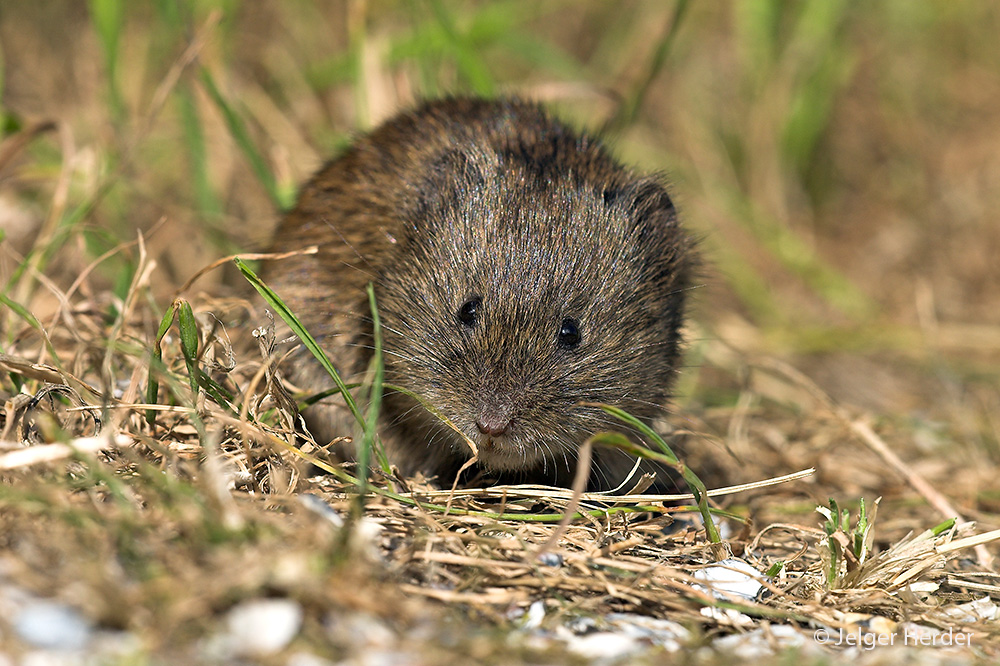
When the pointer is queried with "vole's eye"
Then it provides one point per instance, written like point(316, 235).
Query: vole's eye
point(468, 314)
point(569, 333)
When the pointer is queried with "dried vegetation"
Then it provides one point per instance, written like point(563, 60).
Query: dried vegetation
point(149, 476)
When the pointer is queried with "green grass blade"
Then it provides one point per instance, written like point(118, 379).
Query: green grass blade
point(941, 528)
point(194, 139)
point(323, 395)
point(370, 443)
point(823, 64)
point(666, 456)
point(217, 392)
point(289, 318)
point(470, 64)
point(241, 135)
point(108, 17)
point(629, 110)
point(654, 436)
point(376, 370)
point(188, 328)
point(29, 318)
point(156, 361)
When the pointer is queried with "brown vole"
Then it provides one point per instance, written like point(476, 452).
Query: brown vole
point(519, 272)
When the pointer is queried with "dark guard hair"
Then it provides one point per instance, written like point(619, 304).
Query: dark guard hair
point(520, 272)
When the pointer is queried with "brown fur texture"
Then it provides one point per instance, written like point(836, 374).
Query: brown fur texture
point(519, 272)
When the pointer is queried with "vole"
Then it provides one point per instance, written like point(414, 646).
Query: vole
point(521, 274)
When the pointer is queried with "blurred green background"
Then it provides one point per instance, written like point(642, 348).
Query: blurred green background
point(840, 160)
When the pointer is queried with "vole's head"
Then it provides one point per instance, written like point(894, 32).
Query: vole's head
point(522, 292)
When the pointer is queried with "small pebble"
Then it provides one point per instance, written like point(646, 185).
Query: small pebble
point(263, 626)
point(730, 577)
point(533, 618)
point(53, 626)
point(761, 643)
point(361, 631)
point(666, 633)
point(320, 507)
point(975, 611)
point(550, 559)
point(603, 645)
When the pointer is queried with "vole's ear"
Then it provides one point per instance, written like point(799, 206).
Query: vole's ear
point(670, 259)
point(646, 202)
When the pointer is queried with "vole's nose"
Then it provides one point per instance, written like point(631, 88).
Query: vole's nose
point(493, 425)
point(494, 417)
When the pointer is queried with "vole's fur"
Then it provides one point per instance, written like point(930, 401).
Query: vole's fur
point(519, 272)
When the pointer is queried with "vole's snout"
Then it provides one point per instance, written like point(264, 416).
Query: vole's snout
point(494, 419)
point(494, 427)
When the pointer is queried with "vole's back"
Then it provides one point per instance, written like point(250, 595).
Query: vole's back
point(521, 274)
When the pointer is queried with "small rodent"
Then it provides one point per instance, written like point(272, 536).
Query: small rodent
point(520, 272)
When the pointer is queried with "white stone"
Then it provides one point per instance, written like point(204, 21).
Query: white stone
point(730, 577)
point(51, 625)
point(264, 626)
